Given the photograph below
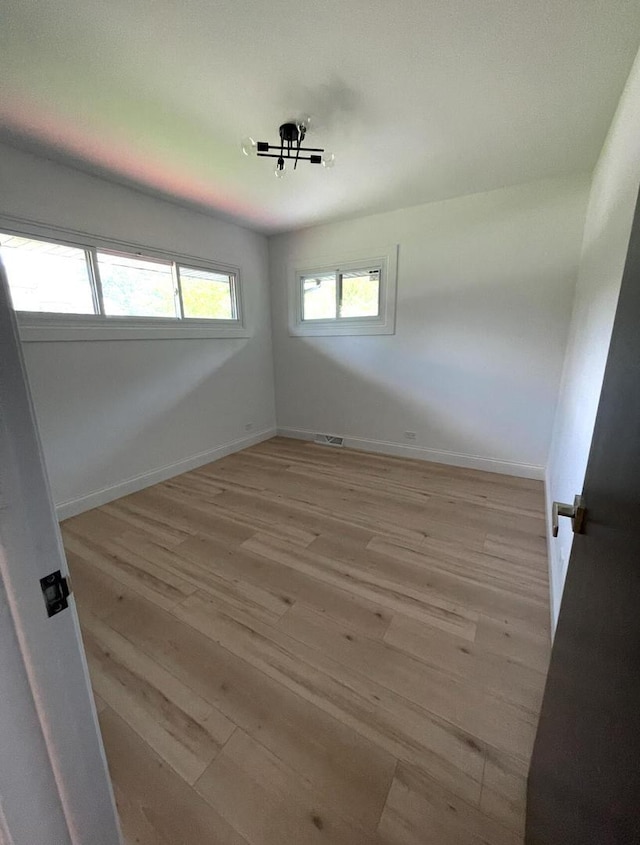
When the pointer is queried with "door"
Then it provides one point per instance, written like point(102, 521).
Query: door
point(54, 783)
point(584, 781)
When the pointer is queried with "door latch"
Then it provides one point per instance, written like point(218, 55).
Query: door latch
point(56, 590)
point(576, 512)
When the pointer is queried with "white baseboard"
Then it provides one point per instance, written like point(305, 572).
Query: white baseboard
point(72, 507)
point(386, 447)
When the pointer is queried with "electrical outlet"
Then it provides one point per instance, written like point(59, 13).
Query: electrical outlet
point(410, 435)
point(248, 426)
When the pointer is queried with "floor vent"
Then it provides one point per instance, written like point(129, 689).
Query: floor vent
point(329, 440)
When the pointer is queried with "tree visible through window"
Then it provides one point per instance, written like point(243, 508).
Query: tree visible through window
point(360, 294)
point(51, 277)
point(206, 294)
point(340, 294)
point(136, 287)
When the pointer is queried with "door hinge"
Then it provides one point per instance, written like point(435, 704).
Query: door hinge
point(576, 512)
point(56, 589)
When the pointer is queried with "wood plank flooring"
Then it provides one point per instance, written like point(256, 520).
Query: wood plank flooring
point(299, 644)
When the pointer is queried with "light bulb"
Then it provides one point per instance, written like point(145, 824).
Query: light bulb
point(279, 171)
point(328, 160)
point(304, 122)
point(249, 146)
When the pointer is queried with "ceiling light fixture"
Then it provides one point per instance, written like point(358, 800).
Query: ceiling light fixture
point(290, 147)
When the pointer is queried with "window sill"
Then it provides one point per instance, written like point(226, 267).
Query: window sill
point(338, 329)
point(36, 328)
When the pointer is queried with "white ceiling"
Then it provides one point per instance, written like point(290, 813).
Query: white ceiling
point(419, 100)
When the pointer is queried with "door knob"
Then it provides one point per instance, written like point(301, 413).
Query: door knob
point(576, 513)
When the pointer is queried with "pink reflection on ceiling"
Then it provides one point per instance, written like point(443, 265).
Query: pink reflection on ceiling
point(122, 158)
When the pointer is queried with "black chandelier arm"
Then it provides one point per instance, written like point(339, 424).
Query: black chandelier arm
point(314, 159)
point(265, 146)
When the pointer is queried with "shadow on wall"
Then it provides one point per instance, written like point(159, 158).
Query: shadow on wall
point(441, 403)
point(484, 299)
point(152, 406)
point(458, 374)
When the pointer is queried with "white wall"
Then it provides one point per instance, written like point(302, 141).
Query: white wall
point(485, 286)
point(113, 412)
point(606, 239)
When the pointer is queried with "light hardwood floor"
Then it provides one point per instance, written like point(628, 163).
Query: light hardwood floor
point(299, 644)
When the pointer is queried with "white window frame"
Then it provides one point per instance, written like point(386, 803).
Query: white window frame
point(384, 323)
point(40, 326)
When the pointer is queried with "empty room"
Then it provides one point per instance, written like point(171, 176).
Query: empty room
point(319, 414)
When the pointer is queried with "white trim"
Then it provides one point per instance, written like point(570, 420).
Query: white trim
point(43, 328)
point(75, 777)
point(49, 327)
point(439, 456)
point(385, 260)
point(72, 507)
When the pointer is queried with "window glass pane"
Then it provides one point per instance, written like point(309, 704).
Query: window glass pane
point(207, 295)
point(360, 293)
point(136, 287)
point(45, 276)
point(319, 297)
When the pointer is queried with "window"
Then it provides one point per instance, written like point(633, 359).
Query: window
point(65, 290)
point(47, 277)
point(341, 295)
point(319, 292)
point(207, 295)
point(360, 293)
point(354, 297)
point(137, 287)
